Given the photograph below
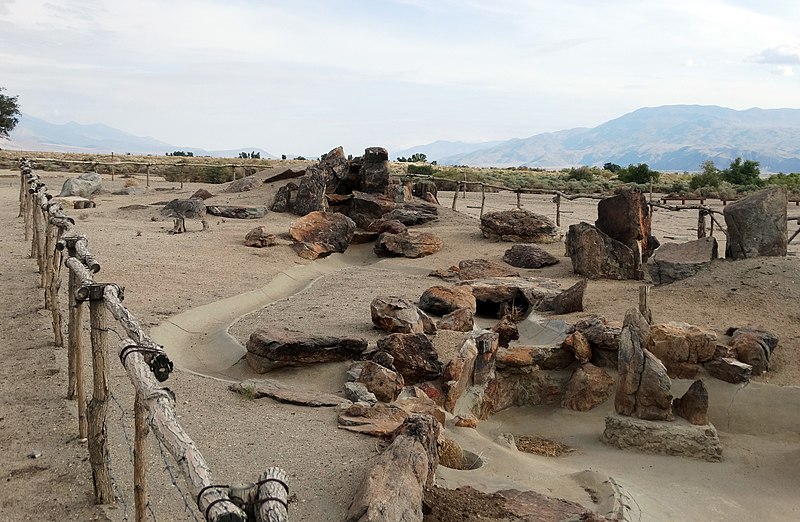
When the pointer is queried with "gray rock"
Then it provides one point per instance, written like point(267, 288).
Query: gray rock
point(666, 438)
point(358, 392)
point(259, 238)
point(244, 184)
point(757, 225)
point(409, 245)
point(397, 315)
point(83, 186)
point(729, 370)
point(271, 348)
point(236, 212)
point(310, 193)
point(519, 226)
point(528, 256)
point(375, 170)
point(597, 256)
point(411, 217)
point(693, 405)
point(675, 261)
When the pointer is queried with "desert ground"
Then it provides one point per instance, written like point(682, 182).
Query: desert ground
point(195, 278)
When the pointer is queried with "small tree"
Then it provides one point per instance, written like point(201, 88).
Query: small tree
point(640, 173)
point(743, 173)
point(9, 113)
point(418, 157)
point(611, 167)
point(709, 176)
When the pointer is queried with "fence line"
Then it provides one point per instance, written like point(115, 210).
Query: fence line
point(52, 234)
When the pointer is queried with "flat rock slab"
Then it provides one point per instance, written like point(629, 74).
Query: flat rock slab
point(234, 212)
point(528, 256)
point(380, 420)
point(260, 388)
point(519, 226)
point(270, 348)
point(675, 261)
point(665, 438)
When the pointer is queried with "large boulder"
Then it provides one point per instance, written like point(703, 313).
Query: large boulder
point(271, 348)
point(442, 300)
point(461, 320)
point(323, 232)
point(666, 438)
point(519, 226)
point(365, 208)
point(414, 356)
point(675, 261)
point(283, 198)
point(680, 344)
point(386, 384)
point(83, 186)
point(626, 218)
point(482, 269)
point(244, 184)
point(588, 387)
point(597, 256)
point(310, 193)
point(375, 170)
point(397, 315)
point(757, 225)
point(408, 245)
point(339, 177)
point(529, 256)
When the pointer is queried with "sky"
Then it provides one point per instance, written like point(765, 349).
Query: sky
point(304, 76)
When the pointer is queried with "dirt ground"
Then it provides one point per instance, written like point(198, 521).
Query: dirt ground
point(168, 274)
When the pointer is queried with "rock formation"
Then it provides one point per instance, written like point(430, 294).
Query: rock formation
point(675, 261)
point(519, 226)
point(757, 225)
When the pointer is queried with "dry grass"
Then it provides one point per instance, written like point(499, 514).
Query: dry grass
point(542, 446)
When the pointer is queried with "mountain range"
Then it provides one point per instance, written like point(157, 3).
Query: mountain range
point(36, 134)
point(671, 137)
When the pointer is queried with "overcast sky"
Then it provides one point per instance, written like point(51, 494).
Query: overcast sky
point(302, 76)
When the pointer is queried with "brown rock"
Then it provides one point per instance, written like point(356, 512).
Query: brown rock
point(283, 198)
point(506, 331)
point(332, 229)
point(408, 245)
point(729, 370)
point(270, 348)
point(626, 218)
point(529, 256)
point(693, 405)
point(414, 356)
point(361, 237)
point(386, 225)
point(434, 391)
point(430, 198)
point(201, 194)
point(461, 320)
point(414, 400)
point(517, 296)
point(751, 349)
point(654, 397)
point(577, 344)
point(517, 357)
point(681, 370)
point(599, 332)
point(380, 420)
point(597, 256)
point(259, 238)
point(681, 343)
point(397, 315)
point(340, 177)
point(570, 300)
point(441, 300)
point(589, 387)
point(468, 421)
point(519, 226)
point(482, 269)
point(458, 373)
point(366, 208)
point(383, 382)
point(312, 251)
point(487, 344)
point(757, 225)
point(258, 388)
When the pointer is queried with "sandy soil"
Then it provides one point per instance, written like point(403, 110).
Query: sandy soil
point(165, 275)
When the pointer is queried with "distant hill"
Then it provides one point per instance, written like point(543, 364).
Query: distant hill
point(442, 149)
point(36, 134)
point(672, 137)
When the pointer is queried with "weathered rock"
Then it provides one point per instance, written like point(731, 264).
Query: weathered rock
point(412, 216)
point(397, 315)
point(770, 339)
point(665, 438)
point(693, 405)
point(434, 391)
point(366, 208)
point(449, 274)
point(577, 344)
point(681, 343)
point(644, 387)
point(336, 169)
point(259, 388)
point(529, 256)
point(413, 401)
point(461, 320)
point(355, 370)
point(757, 225)
point(458, 373)
point(626, 218)
point(375, 170)
point(259, 238)
point(519, 226)
point(527, 387)
point(506, 331)
point(517, 357)
point(358, 392)
point(597, 256)
point(286, 174)
point(570, 300)
point(201, 194)
point(310, 193)
point(386, 225)
point(430, 198)
point(482, 269)
point(333, 230)
point(270, 348)
point(487, 344)
point(385, 359)
point(441, 300)
point(599, 332)
point(408, 245)
point(383, 382)
point(283, 198)
point(751, 349)
point(312, 251)
point(379, 420)
point(236, 212)
point(83, 186)
point(420, 188)
point(414, 356)
point(468, 421)
point(361, 237)
point(605, 358)
point(729, 370)
point(675, 261)
point(589, 387)
point(518, 296)
point(244, 184)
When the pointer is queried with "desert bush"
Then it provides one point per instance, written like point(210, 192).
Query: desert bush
point(425, 170)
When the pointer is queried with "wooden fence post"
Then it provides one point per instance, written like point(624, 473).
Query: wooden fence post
point(483, 198)
point(455, 195)
point(644, 305)
point(54, 283)
point(98, 406)
point(464, 187)
point(558, 210)
point(519, 199)
point(112, 172)
point(76, 388)
point(233, 171)
point(139, 458)
point(273, 487)
point(148, 175)
point(701, 224)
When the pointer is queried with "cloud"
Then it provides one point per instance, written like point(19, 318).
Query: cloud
point(784, 70)
point(781, 55)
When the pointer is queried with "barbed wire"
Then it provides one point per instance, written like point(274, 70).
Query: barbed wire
point(189, 508)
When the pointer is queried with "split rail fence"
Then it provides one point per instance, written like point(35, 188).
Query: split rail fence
point(56, 242)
